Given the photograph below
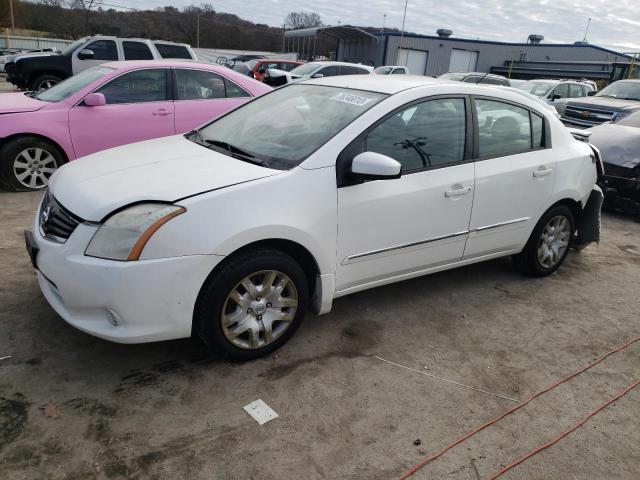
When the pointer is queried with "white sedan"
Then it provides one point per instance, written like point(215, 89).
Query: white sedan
point(304, 195)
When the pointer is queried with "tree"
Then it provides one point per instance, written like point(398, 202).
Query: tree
point(297, 20)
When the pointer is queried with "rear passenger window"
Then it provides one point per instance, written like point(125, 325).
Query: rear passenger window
point(429, 134)
point(537, 131)
point(136, 51)
point(172, 51)
point(503, 129)
point(234, 91)
point(199, 85)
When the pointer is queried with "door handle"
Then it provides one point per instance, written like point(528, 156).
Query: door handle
point(542, 172)
point(161, 112)
point(457, 191)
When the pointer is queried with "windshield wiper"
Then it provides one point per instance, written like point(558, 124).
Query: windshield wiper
point(234, 151)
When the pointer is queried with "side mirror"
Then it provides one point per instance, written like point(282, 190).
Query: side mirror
point(85, 54)
point(95, 100)
point(375, 166)
point(317, 75)
point(556, 97)
point(591, 93)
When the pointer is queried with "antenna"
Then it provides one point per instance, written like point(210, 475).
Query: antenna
point(586, 30)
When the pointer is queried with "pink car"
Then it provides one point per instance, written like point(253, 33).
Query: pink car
point(109, 105)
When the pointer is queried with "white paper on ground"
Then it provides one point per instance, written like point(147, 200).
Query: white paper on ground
point(260, 411)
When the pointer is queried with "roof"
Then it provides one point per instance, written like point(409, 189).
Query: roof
point(495, 42)
point(177, 62)
point(342, 32)
point(389, 84)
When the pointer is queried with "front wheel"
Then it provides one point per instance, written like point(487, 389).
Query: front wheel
point(252, 305)
point(549, 243)
point(27, 163)
point(44, 82)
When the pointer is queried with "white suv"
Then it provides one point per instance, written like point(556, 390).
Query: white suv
point(303, 195)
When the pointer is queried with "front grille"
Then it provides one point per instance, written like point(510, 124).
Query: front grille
point(588, 115)
point(56, 222)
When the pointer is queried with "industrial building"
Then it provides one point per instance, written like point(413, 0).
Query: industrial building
point(441, 53)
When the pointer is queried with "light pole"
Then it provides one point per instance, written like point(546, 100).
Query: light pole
point(198, 30)
point(384, 22)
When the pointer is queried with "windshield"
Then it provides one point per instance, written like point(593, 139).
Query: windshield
point(453, 76)
point(305, 69)
point(383, 70)
point(69, 50)
point(622, 90)
point(539, 89)
point(281, 129)
point(68, 87)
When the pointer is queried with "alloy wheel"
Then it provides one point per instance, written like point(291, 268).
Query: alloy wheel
point(554, 241)
point(259, 309)
point(33, 167)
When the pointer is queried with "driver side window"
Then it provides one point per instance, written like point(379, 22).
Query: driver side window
point(425, 135)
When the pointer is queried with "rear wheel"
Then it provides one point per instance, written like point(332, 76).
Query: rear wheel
point(549, 243)
point(45, 81)
point(27, 163)
point(253, 305)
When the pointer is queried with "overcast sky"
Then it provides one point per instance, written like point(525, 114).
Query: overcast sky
point(614, 23)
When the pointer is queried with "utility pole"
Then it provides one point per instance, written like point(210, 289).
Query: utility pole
point(198, 30)
point(404, 16)
point(384, 22)
point(13, 22)
point(586, 30)
point(284, 38)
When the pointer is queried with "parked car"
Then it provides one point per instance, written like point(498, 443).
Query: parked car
point(539, 100)
point(558, 91)
point(37, 73)
point(619, 144)
point(316, 70)
point(391, 70)
point(515, 82)
point(11, 56)
point(610, 104)
point(477, 77)
point(109, 105)
point(258, 68)
point(312, 192)
point(238, 59)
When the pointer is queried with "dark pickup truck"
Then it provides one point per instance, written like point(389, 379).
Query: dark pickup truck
point(610, 104)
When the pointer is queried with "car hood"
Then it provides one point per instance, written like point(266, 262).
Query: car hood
point(165, 169)
point(606, 103)
point(17, 102)
point(618, 144)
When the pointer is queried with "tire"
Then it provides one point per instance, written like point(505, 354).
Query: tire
point(225, 308)
point(27, 163)
point(44, 81)
point(543, 256)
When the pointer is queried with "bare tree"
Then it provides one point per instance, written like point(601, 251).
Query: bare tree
point(297, 20)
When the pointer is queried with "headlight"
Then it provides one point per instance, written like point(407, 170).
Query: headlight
point(619, 116)
point(124, 235)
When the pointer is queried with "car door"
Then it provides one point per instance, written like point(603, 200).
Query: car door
point(103, 51)
point(138, 108)
point(515, 172)
point(202, 95)
point(393, 227)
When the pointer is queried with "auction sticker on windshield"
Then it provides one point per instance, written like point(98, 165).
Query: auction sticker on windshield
point(351, 99)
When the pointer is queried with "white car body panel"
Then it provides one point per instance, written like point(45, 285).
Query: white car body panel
point(359, 236)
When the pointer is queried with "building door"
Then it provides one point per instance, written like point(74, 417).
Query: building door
point(415, 60)
point(463, 61)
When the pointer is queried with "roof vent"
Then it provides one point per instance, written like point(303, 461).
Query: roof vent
point(533, 38)
point(581, 42)
point(444, 32)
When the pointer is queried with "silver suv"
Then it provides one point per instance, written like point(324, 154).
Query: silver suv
point(553, 90)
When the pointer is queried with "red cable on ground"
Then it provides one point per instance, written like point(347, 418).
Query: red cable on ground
point(511, 410)
point(566, 432)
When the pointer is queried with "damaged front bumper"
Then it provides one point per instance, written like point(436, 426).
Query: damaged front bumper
point(621, 193)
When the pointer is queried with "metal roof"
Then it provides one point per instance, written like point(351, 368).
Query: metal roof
point(342, 32)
